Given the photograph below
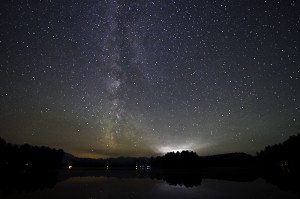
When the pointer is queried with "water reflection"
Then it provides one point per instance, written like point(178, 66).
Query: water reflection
point(80, 183)
point(185, 178)
point(178, 178)
point(27, 181)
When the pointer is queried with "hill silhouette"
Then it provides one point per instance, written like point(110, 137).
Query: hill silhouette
point(120, 162)
point(190, 160)
point(26, 167)
point(284, 157)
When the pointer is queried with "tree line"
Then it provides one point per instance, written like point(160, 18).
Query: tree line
point(283, 156)
point(29, 157)
point(190, 160)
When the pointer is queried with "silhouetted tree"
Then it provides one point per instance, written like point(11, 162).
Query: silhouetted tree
point(172, 160)
point(2, 151)
point(284, 156)
point(29, 157)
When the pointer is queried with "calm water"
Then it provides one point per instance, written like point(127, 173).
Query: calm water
point(139, 185)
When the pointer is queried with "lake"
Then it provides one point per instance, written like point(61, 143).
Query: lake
point(93, 184)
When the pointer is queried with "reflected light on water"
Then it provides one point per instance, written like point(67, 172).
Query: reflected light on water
point(86, 183)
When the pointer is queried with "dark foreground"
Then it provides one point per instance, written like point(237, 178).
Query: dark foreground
point(93, 183)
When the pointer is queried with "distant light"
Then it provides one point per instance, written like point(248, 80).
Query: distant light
point(166, 149)
point(70, 167)
point(190, 146)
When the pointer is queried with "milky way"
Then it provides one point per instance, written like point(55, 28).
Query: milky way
point(121, 49)
point(108, 78)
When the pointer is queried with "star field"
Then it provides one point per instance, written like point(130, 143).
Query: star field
point(108, 78)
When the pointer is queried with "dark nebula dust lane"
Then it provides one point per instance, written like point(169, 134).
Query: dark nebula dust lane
point(109, 78)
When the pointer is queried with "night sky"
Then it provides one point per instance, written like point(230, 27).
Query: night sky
point(109, 78)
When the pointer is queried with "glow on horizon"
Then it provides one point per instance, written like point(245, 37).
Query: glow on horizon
point(189, 146)
point(172, 148)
